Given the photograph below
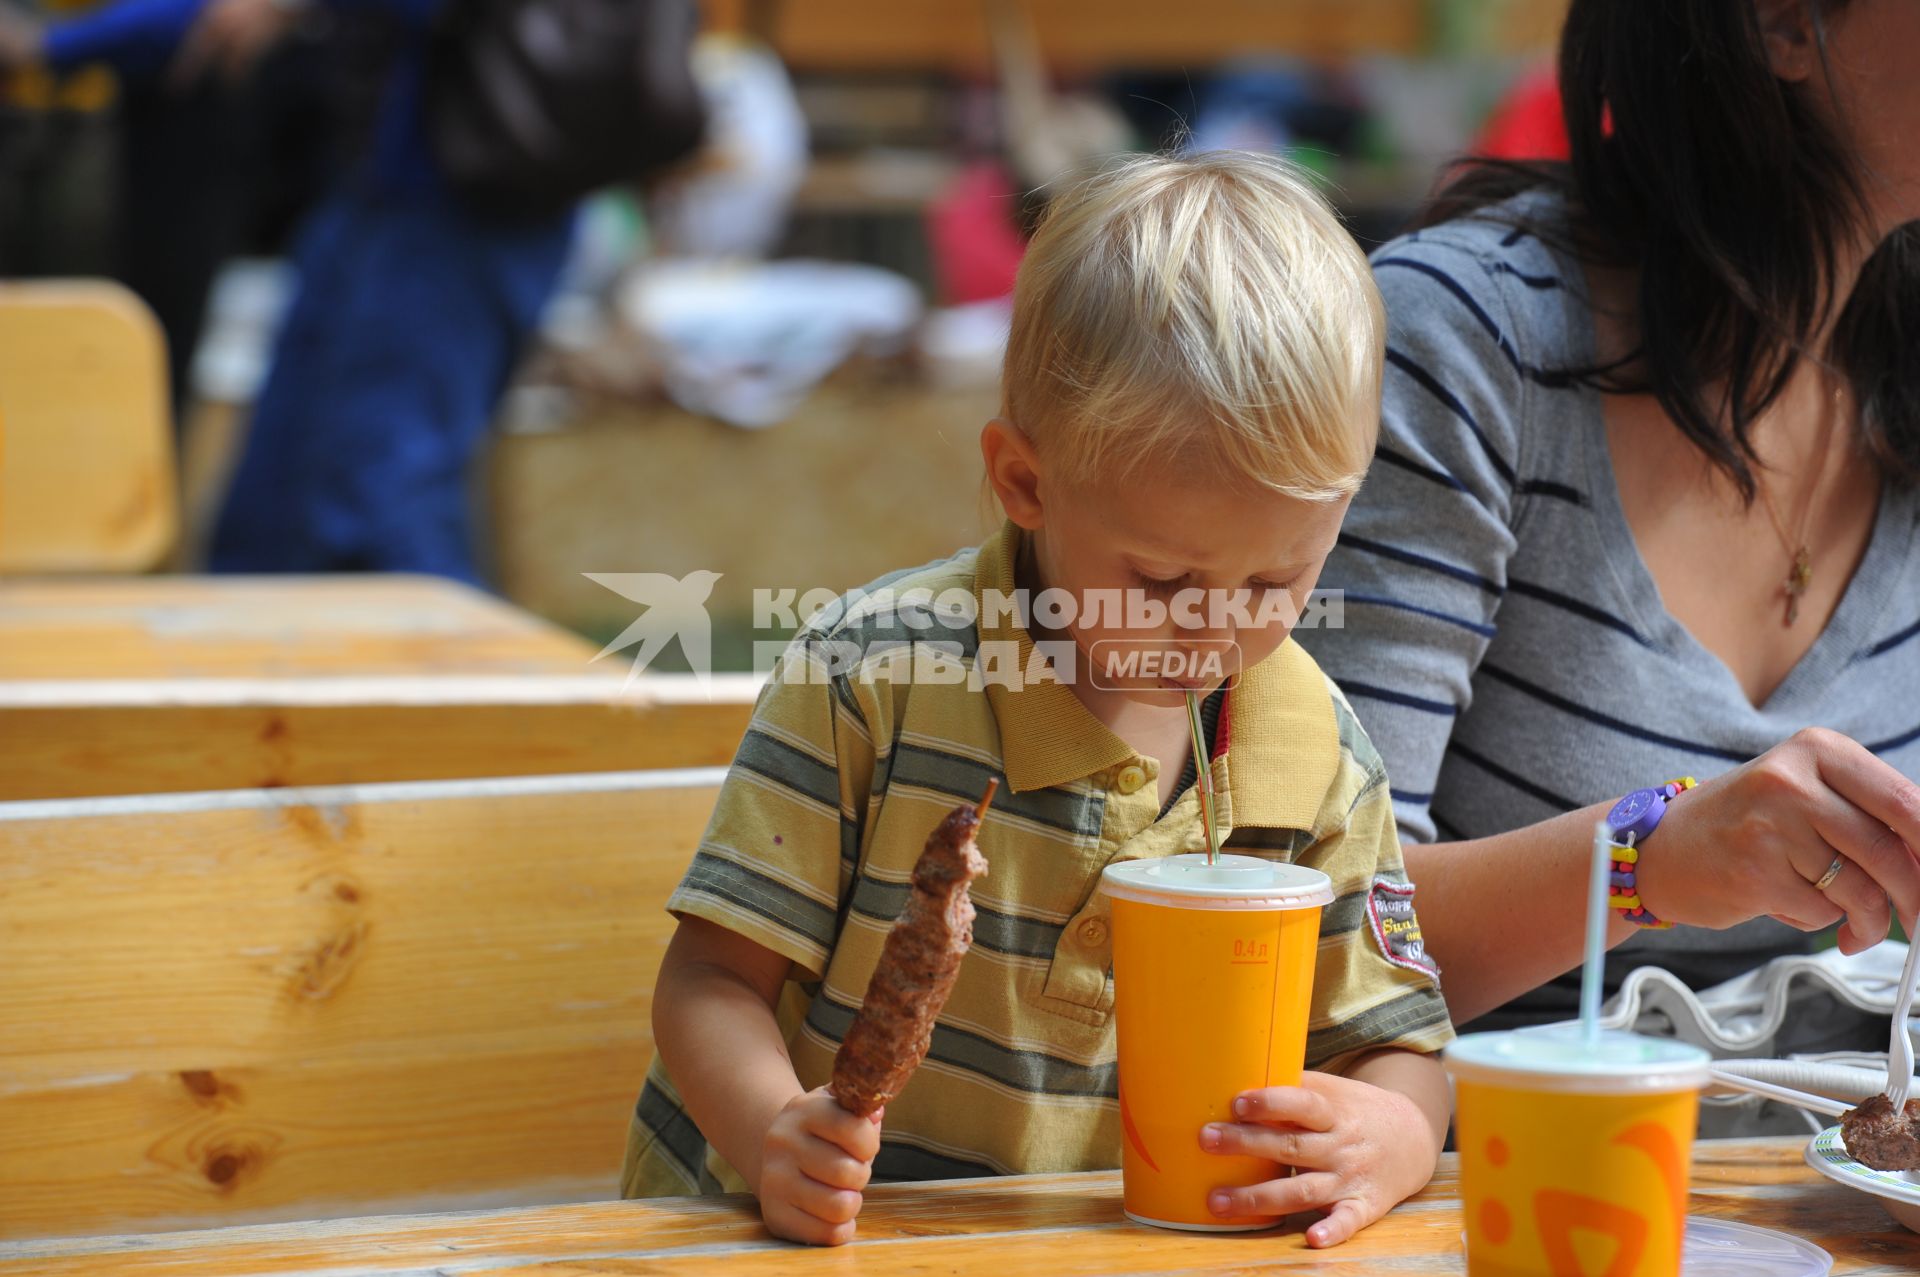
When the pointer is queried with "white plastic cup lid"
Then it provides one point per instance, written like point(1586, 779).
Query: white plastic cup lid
point(1231, 882)
point(1558, 1057)
point(1724, 1248)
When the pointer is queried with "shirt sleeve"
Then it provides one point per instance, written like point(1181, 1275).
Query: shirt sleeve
point(779, 855)
point(1374, 985)
point(1422, 558)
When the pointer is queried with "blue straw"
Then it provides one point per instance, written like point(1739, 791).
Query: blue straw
point(1596, 933)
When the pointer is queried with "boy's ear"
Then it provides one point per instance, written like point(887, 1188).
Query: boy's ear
point(1013, 469)
point(1792, 44)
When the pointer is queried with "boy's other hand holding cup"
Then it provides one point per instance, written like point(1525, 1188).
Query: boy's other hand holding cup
point(1358, 1151)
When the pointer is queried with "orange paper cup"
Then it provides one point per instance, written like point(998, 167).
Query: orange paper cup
point(1574, 1155)
point(1213, 976)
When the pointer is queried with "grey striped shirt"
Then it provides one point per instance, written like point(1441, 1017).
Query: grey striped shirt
point(1504, 642)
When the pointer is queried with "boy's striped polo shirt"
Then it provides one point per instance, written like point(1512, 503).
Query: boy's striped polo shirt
point(843, 774)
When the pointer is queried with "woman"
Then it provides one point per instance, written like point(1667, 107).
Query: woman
point(1643, 505)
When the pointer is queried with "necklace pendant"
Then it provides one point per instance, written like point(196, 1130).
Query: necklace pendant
point(1799, 577)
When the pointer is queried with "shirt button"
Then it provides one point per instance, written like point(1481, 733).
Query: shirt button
point(1130, 778)
point(1093, 931)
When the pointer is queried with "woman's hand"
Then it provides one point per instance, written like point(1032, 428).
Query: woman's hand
point(1755, 841)
point(817, 1159)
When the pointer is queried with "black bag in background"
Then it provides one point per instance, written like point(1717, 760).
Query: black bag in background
point(532, 104)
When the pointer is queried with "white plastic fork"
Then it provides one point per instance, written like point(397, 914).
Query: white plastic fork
point(1900, 1044)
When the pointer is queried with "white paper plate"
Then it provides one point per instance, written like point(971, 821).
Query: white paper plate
point(1898, 1191)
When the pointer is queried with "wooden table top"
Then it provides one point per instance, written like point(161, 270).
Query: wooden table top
point(176, 684)
point(1053, 1224)
point(172, 627)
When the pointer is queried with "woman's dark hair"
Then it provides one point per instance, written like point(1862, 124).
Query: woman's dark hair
point(1734, 197)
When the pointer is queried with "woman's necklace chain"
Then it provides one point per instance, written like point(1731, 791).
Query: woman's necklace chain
point(1800, 558)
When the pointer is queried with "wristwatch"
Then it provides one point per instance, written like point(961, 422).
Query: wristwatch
point(1630, 822)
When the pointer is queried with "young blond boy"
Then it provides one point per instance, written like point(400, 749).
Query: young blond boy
point(1191, 390)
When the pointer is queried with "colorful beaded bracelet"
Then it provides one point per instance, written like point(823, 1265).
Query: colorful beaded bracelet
point(1624, 891)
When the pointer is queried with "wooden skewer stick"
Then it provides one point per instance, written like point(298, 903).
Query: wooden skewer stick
point(993, 786)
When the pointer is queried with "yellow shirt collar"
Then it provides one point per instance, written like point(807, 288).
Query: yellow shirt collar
point(1283, 742)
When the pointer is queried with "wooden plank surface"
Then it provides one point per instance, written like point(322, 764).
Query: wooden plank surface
point(1087, 37)
point(303, 1002)
point(267, 627)
point(1053, 1224)
point(86, 439)
point(1079, 35)
point(170, 684)
point(626, 475)
point(79, 738)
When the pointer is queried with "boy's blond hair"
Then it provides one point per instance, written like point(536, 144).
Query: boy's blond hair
point(1204, 310)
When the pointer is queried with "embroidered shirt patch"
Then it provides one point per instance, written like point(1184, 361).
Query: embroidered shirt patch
point(1395, 928)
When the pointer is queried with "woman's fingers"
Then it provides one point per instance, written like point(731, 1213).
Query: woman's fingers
point(1868, 913)
point(1789, 885)
point(1865, 843)
point(1795, 899)
point(1890, 800)
point(1801, 924)
point(1883, 857)
point(1289, 1146)
point(1276, 1197)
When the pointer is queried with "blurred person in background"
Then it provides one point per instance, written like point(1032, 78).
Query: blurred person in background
point(411, 311)
point(423, 273)
point(161, 170)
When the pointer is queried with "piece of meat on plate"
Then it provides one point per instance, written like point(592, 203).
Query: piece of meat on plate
point(1878, 1135)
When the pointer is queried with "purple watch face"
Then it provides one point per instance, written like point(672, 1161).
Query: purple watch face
point(1637, 814)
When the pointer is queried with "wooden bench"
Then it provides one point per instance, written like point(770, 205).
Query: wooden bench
point(164, 684)
point(1094, 36)
point(295, 1003)
point(274, 627)
point(86, 445)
